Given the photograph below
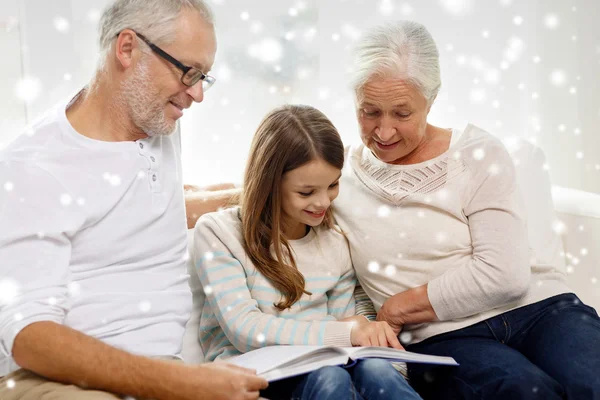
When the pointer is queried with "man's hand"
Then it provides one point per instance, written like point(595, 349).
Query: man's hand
point(372, 333)
point(219, 381)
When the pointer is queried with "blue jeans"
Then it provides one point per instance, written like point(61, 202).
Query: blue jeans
point(547, 350)
point(369, 379)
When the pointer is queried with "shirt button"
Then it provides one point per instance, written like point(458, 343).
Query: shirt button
point(154, 178)
point(141, 145)
point(152, 158)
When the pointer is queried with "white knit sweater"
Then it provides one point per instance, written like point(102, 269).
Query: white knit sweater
point(455, 222)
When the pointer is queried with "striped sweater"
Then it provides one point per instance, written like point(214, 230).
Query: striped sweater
point(239, 313)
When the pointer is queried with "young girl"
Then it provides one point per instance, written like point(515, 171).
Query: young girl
point(277, 271)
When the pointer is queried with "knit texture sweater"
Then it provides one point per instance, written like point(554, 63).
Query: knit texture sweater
point(455, 222)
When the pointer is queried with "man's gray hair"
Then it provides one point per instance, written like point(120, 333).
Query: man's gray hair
point(155, 19)
point(401, 49)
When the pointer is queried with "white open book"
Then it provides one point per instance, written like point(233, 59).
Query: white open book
point(278, 362)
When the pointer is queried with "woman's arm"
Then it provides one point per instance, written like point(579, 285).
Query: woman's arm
point(498, 273)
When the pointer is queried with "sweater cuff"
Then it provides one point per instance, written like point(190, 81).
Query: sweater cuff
point(434, 292)
point(337, 333)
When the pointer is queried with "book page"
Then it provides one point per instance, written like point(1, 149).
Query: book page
point(278, 357)
point(356, 353)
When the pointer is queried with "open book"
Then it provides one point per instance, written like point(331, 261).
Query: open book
point(279, 362)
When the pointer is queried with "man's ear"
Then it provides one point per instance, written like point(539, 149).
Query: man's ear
point(125, 47)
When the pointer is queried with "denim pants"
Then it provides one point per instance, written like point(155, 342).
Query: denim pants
point(369, 379)
point(547, 350)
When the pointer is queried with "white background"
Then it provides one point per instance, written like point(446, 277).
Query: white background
point(524, 68)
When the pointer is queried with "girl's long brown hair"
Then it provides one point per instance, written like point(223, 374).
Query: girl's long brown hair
point(287, 138)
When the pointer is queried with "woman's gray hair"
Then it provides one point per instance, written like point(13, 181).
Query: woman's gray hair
point(155, 19)
point(401, 49)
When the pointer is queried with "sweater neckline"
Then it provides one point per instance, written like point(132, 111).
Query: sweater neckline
point(455, 138)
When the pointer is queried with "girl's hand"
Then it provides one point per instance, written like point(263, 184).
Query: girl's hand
point(372, 333)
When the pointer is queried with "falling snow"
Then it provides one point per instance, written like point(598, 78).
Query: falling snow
point(9, 290)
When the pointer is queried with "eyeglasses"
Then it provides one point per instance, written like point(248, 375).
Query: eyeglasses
point(190, 76)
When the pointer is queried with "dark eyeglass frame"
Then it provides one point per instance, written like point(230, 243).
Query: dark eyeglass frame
point(190, 75)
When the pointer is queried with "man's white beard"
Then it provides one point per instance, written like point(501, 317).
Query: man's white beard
point(143, 103)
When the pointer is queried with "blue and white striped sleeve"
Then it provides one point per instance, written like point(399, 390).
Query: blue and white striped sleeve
point(224, 280)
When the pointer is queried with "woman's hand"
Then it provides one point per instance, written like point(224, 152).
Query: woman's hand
point(389, 313)
point(372, 333)
point(409, 307)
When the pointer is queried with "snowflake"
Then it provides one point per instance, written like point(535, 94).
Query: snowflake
point(66, 199)
point(52, 301)
point(94, 15)
point(406, 337)
point(209, 256)
point(28, 89)
point(145, 306)
point(478, 95)
point(245, 16)
point(10, 383)
point(208, 290)
point(457, 7)
point(18, 317)
point(479, 154)
point(9, 291)
point(74, 289)
point(386, 7)
point(261, 338)
point(256, 27)
point(579, 155)
point(61, 24)
point(373, 267)
point(559, 228)
point(383, 211)
point(570, 269)
point(9, 186)
point(558, 77)
point(268, 50)
point(594, 280)
point(390, 270)
point(551, 21)
point(292, 12)
point(518, 20)
point(494, 169)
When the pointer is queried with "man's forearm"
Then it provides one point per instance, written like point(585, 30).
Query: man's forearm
point(199, 203)
point(64, 355)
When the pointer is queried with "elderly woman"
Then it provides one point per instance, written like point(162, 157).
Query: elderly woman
point(439, 241)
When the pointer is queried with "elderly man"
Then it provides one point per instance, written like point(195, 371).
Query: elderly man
point(93, 229)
